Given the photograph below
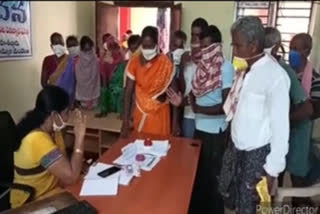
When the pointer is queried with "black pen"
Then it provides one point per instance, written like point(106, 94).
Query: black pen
point(150, 163)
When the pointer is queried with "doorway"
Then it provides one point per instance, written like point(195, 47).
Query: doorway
point(117, 19)
point(137, 18)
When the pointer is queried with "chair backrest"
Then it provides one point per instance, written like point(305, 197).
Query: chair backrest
point(8, 138)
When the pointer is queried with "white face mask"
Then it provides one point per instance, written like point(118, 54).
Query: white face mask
point(57, 128)
point(58, 50)
point(195, 45)
point(149, 54)
point(269, 50)
point(177, 55)
point(74, 51)
point(105, 46)
point(128, 55)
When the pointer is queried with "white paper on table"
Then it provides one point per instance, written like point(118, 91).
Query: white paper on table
point(128, 155)
point(159, 147)
point(149, 166)
point(94, 170)
point(99, 187)
point(152, 154)
point(125, 178)
point(129, 151)
point(128, 146)
point(122, 160)
point(149, 162)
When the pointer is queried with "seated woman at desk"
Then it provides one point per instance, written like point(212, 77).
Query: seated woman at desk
point(40, 158)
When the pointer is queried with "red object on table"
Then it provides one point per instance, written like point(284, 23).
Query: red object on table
point(148, 142)
point(178, 170)
point(140, 157)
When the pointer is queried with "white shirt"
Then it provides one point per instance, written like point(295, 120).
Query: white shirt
point(262, 113)
point(189, 72)
point(176, 55)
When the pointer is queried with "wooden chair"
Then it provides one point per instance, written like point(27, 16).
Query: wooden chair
point(311, 191)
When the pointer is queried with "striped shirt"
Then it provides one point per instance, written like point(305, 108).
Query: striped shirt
point(315, 88)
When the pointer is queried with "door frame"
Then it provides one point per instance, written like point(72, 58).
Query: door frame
point(159, 4)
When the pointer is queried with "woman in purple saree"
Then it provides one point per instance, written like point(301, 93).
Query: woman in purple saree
point(64, 77)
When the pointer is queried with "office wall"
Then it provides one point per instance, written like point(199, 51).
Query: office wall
point(219, 13)
point(20, 80)
point(139, 20)
point(315, 55)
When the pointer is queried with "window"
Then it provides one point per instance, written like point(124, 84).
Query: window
point(260, 9)
point(289, 17)
point(292, 18)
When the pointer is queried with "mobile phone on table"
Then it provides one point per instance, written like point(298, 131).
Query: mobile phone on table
point(109, 171)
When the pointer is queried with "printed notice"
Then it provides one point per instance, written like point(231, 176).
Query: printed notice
point(15, 30)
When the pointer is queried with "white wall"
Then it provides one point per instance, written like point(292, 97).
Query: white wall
point(315, 55)
point(219, 13)
point(141, 17)
point(20, 80)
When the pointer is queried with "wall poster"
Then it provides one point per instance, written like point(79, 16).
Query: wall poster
point(15, 30)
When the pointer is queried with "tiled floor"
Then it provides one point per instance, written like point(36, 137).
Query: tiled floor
point(287, 183)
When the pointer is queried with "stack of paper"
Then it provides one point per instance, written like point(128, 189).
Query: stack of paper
point(95, 185)
point(159, 148)
point(99, 187)
point(149, 162)
point(152, 153)
point(123, 177)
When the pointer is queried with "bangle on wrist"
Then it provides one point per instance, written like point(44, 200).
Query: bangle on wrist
point(79, 151)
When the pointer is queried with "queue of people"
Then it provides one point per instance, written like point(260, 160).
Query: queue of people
point(253, 115)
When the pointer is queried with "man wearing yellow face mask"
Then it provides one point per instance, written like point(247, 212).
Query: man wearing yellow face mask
point(258, 105)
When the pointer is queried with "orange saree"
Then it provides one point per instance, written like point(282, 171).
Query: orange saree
point(152, 80)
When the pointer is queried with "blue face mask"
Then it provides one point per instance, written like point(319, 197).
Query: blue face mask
point(295, 59)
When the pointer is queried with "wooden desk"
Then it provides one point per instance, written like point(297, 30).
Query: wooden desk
point(101, 133)
point(164, 190)
point(110, 123)
point(58, 201)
